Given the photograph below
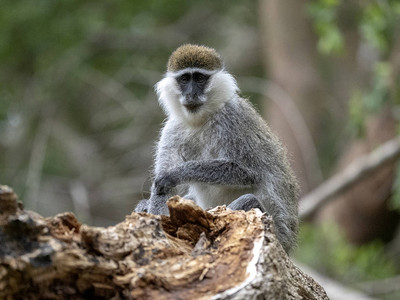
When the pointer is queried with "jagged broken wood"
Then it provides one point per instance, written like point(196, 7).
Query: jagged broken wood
point(191, 254)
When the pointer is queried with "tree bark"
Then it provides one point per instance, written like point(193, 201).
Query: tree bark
point(191, 254)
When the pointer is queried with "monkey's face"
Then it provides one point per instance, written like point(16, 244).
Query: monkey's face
point(192, 95)
point(193, 86)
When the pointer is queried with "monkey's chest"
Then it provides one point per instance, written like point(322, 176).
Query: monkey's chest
point(207, 195)
point(198, 148)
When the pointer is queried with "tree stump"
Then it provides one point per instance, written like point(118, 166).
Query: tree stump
point(191, 254)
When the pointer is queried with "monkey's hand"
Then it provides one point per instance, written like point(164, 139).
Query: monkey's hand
point(143, 205)
point(164, 183)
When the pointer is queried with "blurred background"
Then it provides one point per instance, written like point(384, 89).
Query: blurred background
point(79, 117)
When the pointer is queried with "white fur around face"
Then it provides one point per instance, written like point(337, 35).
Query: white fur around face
point(221, 88)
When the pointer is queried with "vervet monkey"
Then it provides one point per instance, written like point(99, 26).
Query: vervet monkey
point(216, 144)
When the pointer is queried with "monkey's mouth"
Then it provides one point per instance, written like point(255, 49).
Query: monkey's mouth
point(193, 107)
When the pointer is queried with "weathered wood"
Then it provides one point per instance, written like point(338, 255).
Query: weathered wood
point(191, 254)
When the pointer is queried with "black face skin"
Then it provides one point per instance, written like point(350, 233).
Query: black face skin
point(192, 86)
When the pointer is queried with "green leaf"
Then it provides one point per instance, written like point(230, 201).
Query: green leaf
point(357, 113)
point(324, 13)
point(379, 94)
point(331, 40)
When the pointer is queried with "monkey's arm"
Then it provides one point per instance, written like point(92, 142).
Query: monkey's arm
point(218, 171)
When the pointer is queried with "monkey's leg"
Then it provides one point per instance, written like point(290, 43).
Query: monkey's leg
point(157, 204)
point(246, 202)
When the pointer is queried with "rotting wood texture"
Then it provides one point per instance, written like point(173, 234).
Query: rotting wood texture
point(191, 254)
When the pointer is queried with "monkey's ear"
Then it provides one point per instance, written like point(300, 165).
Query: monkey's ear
point(142, 206)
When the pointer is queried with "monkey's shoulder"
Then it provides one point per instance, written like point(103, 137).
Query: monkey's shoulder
point(240, 120)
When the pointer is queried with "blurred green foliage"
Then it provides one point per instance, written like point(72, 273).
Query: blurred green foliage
point(324, 13)
point(326, 249)
point(377, 24)
point(379, 95)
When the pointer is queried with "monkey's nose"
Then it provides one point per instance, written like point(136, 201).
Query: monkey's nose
point(192, 107)
point(192, 102)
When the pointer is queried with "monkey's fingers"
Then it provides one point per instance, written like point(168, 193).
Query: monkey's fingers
point(164, 184)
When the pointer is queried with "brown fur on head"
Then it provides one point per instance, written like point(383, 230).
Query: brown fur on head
point(194, 56)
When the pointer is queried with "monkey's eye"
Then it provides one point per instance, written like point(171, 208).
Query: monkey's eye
point(200, 78)
point(184, 78)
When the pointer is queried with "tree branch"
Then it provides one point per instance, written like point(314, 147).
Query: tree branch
point(359, 169)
